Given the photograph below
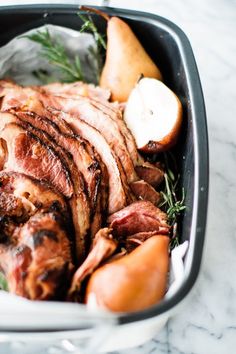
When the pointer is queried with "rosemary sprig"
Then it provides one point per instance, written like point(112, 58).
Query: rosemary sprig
point(99, 51)
point(170, 202)
point(43, 76)
point(3, 282)
point(89, 26)
point(55, 53)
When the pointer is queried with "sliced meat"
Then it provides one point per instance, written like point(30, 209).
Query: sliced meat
point(86, 161)
point(109, 111)
point(145, 170)
point(141, 216)
point(27, 154)
point(31, 195)
point(79, 88)
point(119, 192)
point(37, 264)
point(150, 173)
point(86, 111)
point(103, 247)
point(145, 191)
point(11, 206)
point(27, 164)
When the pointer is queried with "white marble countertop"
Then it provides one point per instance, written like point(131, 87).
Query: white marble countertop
point(207, 323)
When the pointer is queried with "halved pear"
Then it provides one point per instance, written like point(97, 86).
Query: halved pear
point(154, 115)
point(133, 282)
point(126, 61)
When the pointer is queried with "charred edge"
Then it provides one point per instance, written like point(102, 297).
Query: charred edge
point(7, 227)
point(39, 236)
point(5, 178)
point(52, 151)
point(20, 249)
point(98, 180)
point(93, 166)
point(44, 134)
point(60, 276)
point(55, 207)
point(153, 147)
point(129, 195)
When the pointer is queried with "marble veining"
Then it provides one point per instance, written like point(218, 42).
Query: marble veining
point(207, 321)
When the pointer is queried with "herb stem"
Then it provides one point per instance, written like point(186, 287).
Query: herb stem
point(55, 53)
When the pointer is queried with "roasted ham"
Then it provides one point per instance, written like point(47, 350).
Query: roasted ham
point(36, 258)
point(35, 245)
point(36, 161)
point(70, 178)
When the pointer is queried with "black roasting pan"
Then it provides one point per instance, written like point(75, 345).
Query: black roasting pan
point(171, 50)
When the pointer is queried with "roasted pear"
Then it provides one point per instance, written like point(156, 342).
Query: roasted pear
point(133, 282)
point(153, 114)
point(126, 61)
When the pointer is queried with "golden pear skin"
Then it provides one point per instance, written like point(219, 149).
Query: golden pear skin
point(133, 282)
point(126, 61)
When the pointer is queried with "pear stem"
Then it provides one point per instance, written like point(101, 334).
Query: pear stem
point(96, 11)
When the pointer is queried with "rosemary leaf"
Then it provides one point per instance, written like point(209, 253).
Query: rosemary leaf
point(89, 26)
point(55, 53)
point(171, 203)
point(99, 51)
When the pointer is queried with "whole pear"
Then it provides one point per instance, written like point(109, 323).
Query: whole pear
point(133, 282)
point(126, 61)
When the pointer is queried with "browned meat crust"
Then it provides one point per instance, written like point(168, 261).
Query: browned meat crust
point(138, 217)
point(27, 154)
point(119, 191)
point(98, 119)
point(32, 195)
point(36, 162)
point(37, 264)
point(145, 191)
point(86, 161)
point(146, 171)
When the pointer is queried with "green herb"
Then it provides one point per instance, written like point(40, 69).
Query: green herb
point(55, 53)
point(3, 282)
point(89, 26)
point(43, 76)
point(99, 51)
point(171, 204)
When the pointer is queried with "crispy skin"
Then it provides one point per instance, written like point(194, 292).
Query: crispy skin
point(138, 217)
point(31, 194)
point(37, 264)
point(35, 225)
